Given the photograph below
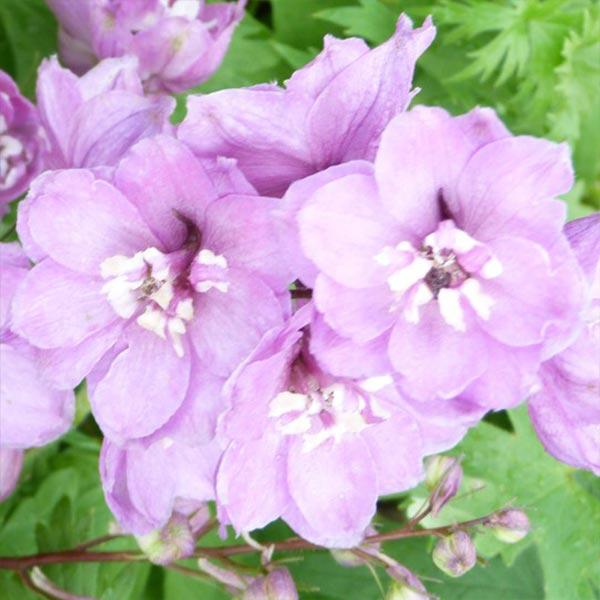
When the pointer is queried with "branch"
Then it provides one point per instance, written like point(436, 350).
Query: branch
point(80, 555)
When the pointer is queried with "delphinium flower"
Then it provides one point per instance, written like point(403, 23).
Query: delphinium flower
point(33, 413)
point(566, 409)
point(331, 111)
point(312, 448)
point(446, 257)
point(92, 121)
point(140, 280)
point(179, 43)
point(21, 142)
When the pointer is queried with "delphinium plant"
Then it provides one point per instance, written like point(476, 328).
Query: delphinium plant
point(299, 299)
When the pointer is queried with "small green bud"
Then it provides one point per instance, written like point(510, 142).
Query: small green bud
point(455, 554)
point(510, 525)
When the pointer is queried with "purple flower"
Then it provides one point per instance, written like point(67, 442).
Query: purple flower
point(179, 43)
point(331, 111)
point(445, 258)
point(33, 413)
point(21, 142)
point(566, 409)
point(144, 281)
point(92, 121)
point(309, 447)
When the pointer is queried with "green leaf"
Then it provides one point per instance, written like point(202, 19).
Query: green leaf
point(31, 32)
point(564, 514)
point(297, 24)
point(372, 20)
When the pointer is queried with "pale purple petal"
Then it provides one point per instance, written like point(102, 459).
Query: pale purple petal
point(251, 482)
point(229, 324)
point(66, 367)
point(166, 183)
point(144, 386)
point(80, 221)
point(55, 307)
point(435, 359)
point(421, 154)
point(397, 452)
point(343, 228)
point(334, 487)
point(347, 119)
point(247, 231)
point(342, 357)
point(13, 268)
point(106, 126)
point(506, 187)
point(264, 129)
point(294, 200)
point(32, 413)
point(528, 296)
point(566, 410)
point(336, 55)
point(359, 314)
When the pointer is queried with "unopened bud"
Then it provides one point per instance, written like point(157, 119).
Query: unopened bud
point(443, 476)
point(406, 585)
point(277, 585)
point(510, 525)
point(348, 558)
point(455, 554)
point(174, 541)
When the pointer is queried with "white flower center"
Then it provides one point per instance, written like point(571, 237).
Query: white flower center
point(447, 268)
point(13, 160)
point(327, 413)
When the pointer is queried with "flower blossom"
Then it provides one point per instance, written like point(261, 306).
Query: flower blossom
point(21, 142)
point(92, 121)
point(141, 281)
point(179, 43)
point(566, 409)
point(33, 413)
point(314, 449)
point(446, 258)
point(331, 111)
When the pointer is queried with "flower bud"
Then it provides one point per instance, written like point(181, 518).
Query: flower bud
point(174, 541)
point(455, 554)
point(443, 476)
point(277, 585)
point(406, 585)
point(510, 525)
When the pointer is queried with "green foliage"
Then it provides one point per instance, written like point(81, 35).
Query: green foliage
point(31, 35)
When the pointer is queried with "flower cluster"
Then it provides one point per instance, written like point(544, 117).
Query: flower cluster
point(288, 301)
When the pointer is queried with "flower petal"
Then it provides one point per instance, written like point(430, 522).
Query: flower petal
point(80, 221)
point(145, 384)
point(55, 307)
point(435, 359)
point(229, 324)
point(163, 179)
point(251, 484)
point(334, 487)
point(32, 413)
